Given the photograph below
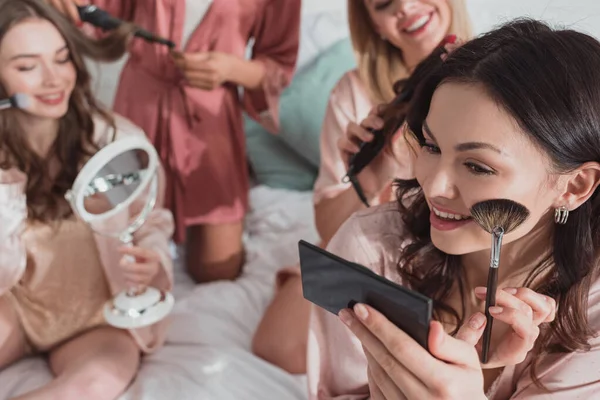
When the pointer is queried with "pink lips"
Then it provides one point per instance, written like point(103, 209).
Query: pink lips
point(51, 102)
point(441, 224)
point(446, 224)
point(409, 22)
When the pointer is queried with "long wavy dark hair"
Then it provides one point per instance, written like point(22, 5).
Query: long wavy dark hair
point(74, 143)
point(549, 81)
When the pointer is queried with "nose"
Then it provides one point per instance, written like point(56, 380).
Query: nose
point(404, 7)
point(438, 181)
point(50, 76)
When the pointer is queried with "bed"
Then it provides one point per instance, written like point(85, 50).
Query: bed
point(207, 354)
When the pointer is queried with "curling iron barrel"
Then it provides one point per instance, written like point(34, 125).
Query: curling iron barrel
point(102, 19)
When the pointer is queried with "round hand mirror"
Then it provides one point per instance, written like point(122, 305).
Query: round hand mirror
point(114, 193)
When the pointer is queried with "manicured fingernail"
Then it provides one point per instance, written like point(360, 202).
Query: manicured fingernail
point(361, 312)
point(477, 321)
point(345, 317)
point(480, 290)
point(495, 310)
point(450, 39)
point(510, 290)
point(79, 24)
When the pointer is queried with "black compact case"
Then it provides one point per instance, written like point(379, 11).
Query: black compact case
point(333, 283)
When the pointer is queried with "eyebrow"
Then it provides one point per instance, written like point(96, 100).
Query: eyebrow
point(18, 56)
point(465, 146)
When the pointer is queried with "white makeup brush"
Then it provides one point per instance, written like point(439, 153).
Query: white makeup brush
point(19, 100)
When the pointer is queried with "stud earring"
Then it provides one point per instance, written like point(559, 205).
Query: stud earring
point(561, 214)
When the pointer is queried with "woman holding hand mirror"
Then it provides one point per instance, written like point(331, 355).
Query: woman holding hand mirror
point(56, 274)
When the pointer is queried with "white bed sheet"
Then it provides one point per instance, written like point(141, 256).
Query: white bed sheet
point(207, 355)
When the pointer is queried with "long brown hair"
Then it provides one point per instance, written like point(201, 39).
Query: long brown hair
point(379, 63)
point(528, 69)
point(74, 143)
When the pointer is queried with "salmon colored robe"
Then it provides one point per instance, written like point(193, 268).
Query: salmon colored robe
point(154, 234)
point(199, 134)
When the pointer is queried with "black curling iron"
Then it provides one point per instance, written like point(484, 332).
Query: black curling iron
point(103, 20)
point(369, 150)
point(393, 120)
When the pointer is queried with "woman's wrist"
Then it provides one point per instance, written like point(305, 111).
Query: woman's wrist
point(246, 73)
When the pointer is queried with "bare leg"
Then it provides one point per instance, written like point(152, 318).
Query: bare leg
point(97, 365)
point(282, 336)
point(12, 338)
point(215, 252)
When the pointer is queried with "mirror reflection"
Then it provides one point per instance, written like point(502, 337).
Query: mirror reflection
point(116, 182)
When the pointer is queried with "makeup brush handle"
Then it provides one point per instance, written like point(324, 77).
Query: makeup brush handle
point(490, 301)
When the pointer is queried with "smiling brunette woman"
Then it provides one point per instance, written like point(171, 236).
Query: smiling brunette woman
point(507, 115)
point(55, 273)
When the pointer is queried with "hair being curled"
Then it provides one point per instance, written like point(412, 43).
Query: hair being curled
point(74, 143)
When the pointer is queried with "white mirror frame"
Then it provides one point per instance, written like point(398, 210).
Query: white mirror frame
point(97, 162)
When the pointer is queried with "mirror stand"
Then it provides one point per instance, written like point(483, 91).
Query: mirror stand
point(120, 174)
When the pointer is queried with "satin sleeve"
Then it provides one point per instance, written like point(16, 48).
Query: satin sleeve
point(276, 42)
point(13, 214)
point(340, 112)
point(567, 376)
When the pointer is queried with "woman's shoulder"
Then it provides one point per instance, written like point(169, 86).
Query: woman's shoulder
point(350, 91)
point(384, 220)
point(350, 84)
point(371, 237)
point(106, 131)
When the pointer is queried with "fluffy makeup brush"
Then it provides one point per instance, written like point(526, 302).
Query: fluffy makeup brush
point(19, 100)
point(497, 217)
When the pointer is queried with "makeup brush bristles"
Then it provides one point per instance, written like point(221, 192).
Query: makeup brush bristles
point(20, 100)
point(502, 213)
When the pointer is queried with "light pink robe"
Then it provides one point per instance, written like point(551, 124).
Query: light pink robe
point(348, 102)
point(199, 134)
point(337, 367)
point(154, 234)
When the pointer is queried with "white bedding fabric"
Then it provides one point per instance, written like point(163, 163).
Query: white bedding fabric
point(207, 355)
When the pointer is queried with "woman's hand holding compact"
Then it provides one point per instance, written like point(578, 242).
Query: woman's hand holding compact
point(524, 311)
point(400, 368)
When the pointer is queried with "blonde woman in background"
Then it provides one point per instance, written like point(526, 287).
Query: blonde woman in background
point(389, 37)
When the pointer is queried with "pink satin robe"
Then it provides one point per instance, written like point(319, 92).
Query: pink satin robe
point(199, 134)
point(337, 365)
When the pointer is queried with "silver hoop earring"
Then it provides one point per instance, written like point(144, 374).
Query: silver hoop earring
point(561, 214)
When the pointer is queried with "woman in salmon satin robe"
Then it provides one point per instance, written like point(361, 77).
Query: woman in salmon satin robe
point(188, 104)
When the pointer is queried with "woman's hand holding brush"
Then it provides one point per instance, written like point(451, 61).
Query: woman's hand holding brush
point(524, 311)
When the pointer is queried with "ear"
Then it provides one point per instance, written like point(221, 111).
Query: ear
point(580, 186)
